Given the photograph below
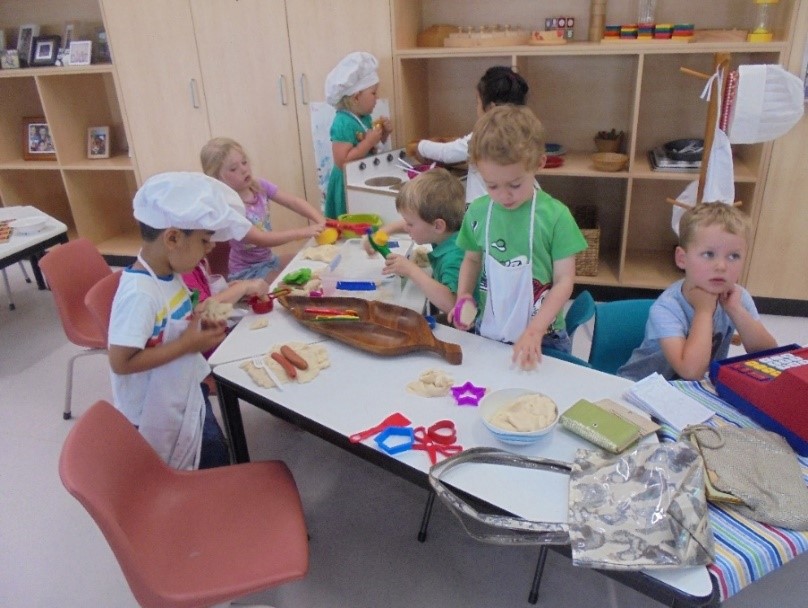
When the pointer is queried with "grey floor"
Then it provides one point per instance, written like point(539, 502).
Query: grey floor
point(363, 521)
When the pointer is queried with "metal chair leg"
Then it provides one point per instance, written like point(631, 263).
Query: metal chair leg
point(69, 385)
point(8, 289)
point(534, 588)
point(24, 272)
point(430, 500)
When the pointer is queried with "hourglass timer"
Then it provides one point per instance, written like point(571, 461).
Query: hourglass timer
point(764, 16)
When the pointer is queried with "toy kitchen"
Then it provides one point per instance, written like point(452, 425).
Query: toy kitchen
point(371, 183)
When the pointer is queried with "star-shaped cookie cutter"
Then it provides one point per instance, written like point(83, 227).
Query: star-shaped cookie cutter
point(468, 394)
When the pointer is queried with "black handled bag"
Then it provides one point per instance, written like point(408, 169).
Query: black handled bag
point(642, 509)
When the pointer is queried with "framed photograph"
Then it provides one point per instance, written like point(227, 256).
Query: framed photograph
point(80, 52)
point(98, 142)
point(45, 50)
point(25, 42)
point(10, 59)
point(2, 40)
point(37, 143)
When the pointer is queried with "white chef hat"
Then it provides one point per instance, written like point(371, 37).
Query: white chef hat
point(191, 201)
point(355, 72)
point(769, 101)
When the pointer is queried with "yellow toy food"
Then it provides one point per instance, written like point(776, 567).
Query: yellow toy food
point(381, 238)
point(328, 236)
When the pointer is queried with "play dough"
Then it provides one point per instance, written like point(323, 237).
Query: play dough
point(259, 323)
point(431, 383)
point(321, 253)
point(216, 311)
point(419, 257)
point(528, 413)
point(314, 354)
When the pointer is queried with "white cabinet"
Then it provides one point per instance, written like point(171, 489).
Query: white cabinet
point(245, 69)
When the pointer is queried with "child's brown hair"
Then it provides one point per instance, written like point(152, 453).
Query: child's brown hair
point(507, 135)
point(728, 217)
point(434, 195)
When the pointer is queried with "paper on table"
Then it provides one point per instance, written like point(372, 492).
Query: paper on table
point(654, 395)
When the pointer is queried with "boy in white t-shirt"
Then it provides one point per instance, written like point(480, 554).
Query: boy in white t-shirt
point(156, 339)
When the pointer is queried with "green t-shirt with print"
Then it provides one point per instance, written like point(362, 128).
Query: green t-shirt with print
point(556, 236)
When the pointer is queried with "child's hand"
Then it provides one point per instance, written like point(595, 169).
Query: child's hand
point(466, 302)
point(367, 246)
point(399, 265)
point(202, 335)
point(386, 125)
point(700, 300)
point(256, 287)
point(312, 230)
point(527, 350)
point(374, 135)
point(730, 300)
point(411, 150)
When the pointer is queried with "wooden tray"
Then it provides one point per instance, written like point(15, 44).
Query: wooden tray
point(383, 329)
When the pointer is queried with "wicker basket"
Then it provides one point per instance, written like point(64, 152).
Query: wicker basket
point(586, 262)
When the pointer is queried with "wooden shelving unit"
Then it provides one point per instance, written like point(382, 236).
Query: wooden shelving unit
point(583, 87)
point(92, 196)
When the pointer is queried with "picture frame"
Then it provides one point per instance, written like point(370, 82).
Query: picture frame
point(80, 52)
point(46, 48)
point(2, 40)
point(10, 59)
point(98, 142)
point(71, 30)
point(25, 42)
point(37, 143)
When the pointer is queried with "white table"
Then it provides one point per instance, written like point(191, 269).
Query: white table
point(29, 246)
point(359, 389)
point(243, 342)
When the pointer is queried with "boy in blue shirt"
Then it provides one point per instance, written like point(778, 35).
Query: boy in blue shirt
point(692, 322)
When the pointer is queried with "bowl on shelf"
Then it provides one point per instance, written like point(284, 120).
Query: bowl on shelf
point(495, 401)
point(609, 141)
point(688, 150)
point(609, 161)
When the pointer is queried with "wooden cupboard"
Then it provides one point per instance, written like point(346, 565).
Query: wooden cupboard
point(583, 87)
point(91, 196)
point(777, 268)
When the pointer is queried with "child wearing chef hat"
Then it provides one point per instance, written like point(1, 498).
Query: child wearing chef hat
point(155, 338)
point(352, 87)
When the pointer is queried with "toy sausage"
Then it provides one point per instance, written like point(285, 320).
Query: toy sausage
point(295, 359)
point(285, 364)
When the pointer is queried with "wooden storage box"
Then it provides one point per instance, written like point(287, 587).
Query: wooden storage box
point(586, 262)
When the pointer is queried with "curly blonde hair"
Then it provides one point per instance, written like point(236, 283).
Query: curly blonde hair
point(507, 135)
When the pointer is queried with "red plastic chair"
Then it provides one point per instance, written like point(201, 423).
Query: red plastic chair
point(71, 270)
point(99, 300)
point(184, 539)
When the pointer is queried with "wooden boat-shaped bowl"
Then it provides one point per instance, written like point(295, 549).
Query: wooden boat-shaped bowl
point(383, 329)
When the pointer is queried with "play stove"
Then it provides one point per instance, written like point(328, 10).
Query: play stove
point(371, 183)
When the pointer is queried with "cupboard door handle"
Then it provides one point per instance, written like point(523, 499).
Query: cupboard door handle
point(194, 93)
point(282, 90)
point(304, 97)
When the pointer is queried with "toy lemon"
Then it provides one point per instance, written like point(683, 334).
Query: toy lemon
point(328, 236)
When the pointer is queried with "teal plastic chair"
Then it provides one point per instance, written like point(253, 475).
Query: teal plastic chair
point(619, 329)
point(580, 311)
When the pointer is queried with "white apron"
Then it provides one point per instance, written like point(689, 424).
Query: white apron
point(509, 303)
point(172, 420)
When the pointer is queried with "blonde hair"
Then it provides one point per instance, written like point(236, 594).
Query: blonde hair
point(215, 152)
point(507, 135)
point(434, 195)
point(731, 219)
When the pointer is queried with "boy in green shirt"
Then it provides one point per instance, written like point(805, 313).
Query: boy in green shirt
point(431, 207)
point(520, 242)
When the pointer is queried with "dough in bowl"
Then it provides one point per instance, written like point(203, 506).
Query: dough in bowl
point(528, 413)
